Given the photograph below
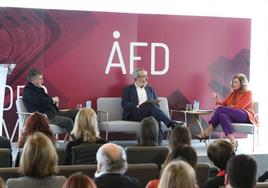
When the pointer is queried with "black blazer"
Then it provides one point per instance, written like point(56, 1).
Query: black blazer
point(130, 99)
point(116, 180)
point(36, 99)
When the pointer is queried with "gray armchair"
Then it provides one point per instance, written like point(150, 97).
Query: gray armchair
point(245, 128)
point(110, 112)
point(23, 114)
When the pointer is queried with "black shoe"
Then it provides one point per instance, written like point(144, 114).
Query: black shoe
point(174, 124)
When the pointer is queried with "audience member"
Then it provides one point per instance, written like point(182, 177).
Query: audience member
point(2, 183)
point(36, 99)
point(38, 165)
point(140, 100)
point(219, 152)
point(148, 132)
point(85, 131)
point(182, 152)
point(36, 122)
point(241, 172)
point(79, 180)
point(178, 174)
point(236, 108)
point(111, 166)
point(179, 135)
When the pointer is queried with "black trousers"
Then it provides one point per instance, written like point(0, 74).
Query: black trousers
point(64, 119)
point(151, 110)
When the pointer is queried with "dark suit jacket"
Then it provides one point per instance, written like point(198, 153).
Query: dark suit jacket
point(116, 180)
point(36, 99)
point(130, 99)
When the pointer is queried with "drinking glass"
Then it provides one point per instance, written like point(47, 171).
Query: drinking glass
point(188, 107)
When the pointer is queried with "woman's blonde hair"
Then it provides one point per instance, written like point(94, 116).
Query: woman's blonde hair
point(178, 174)
point(86, 126)
point(39, 157)
point(243, 81)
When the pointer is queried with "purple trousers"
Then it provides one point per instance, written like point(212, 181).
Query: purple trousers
point(225, 116)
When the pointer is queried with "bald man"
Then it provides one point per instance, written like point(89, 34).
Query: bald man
point(111, 166)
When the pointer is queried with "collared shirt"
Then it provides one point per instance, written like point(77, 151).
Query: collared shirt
point(142, 95)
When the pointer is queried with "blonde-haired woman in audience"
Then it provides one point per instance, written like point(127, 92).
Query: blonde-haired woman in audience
point(79, 180)
point(178, 174)
point(85, 131)
point(2, 183)
point(182, 152)
point(38, 165)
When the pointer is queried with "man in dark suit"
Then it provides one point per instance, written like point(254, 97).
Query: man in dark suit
point(111, 166)
point(36, 99)
point(140, 100)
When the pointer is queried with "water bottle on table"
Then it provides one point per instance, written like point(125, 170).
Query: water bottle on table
point(196, 105)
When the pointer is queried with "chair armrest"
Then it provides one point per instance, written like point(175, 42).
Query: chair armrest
point(24, 113)
point(100, 115)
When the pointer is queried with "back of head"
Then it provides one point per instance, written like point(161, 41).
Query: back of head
point(79, 180)
point(36, 122)
point(148, 132)
point(111, 158)
point(178, 174)
point(241, 171)
point(179, 135)
point(33, 73)
point(39, 157)
point(219, 152)
point(182, 152)
point(85, 125)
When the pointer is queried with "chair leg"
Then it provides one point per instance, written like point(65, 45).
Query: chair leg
point(253, 147)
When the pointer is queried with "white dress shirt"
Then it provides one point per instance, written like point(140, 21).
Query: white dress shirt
point(142, 95)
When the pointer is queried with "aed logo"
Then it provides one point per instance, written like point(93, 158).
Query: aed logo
point(134, 58)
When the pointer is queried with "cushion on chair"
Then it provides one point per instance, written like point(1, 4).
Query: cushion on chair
point(146, 154)
point(85, 153)
point(246, 128)
point(120, 126)
point(5, 157)
point(202, 173)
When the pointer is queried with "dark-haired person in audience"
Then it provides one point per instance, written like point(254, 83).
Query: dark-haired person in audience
point(36, 99)
point(178, 174)
point(140, 100)
point(148, 132)
point(178, 136)
point(79, 180)
point(219, 152)
point(241, 172)
point(85, 131)
point(111, 166)
point(36, 122)
point(180, 152)
point(38, 165)
point(236, 108)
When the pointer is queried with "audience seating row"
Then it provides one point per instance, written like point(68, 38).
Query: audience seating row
point(143, 172)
